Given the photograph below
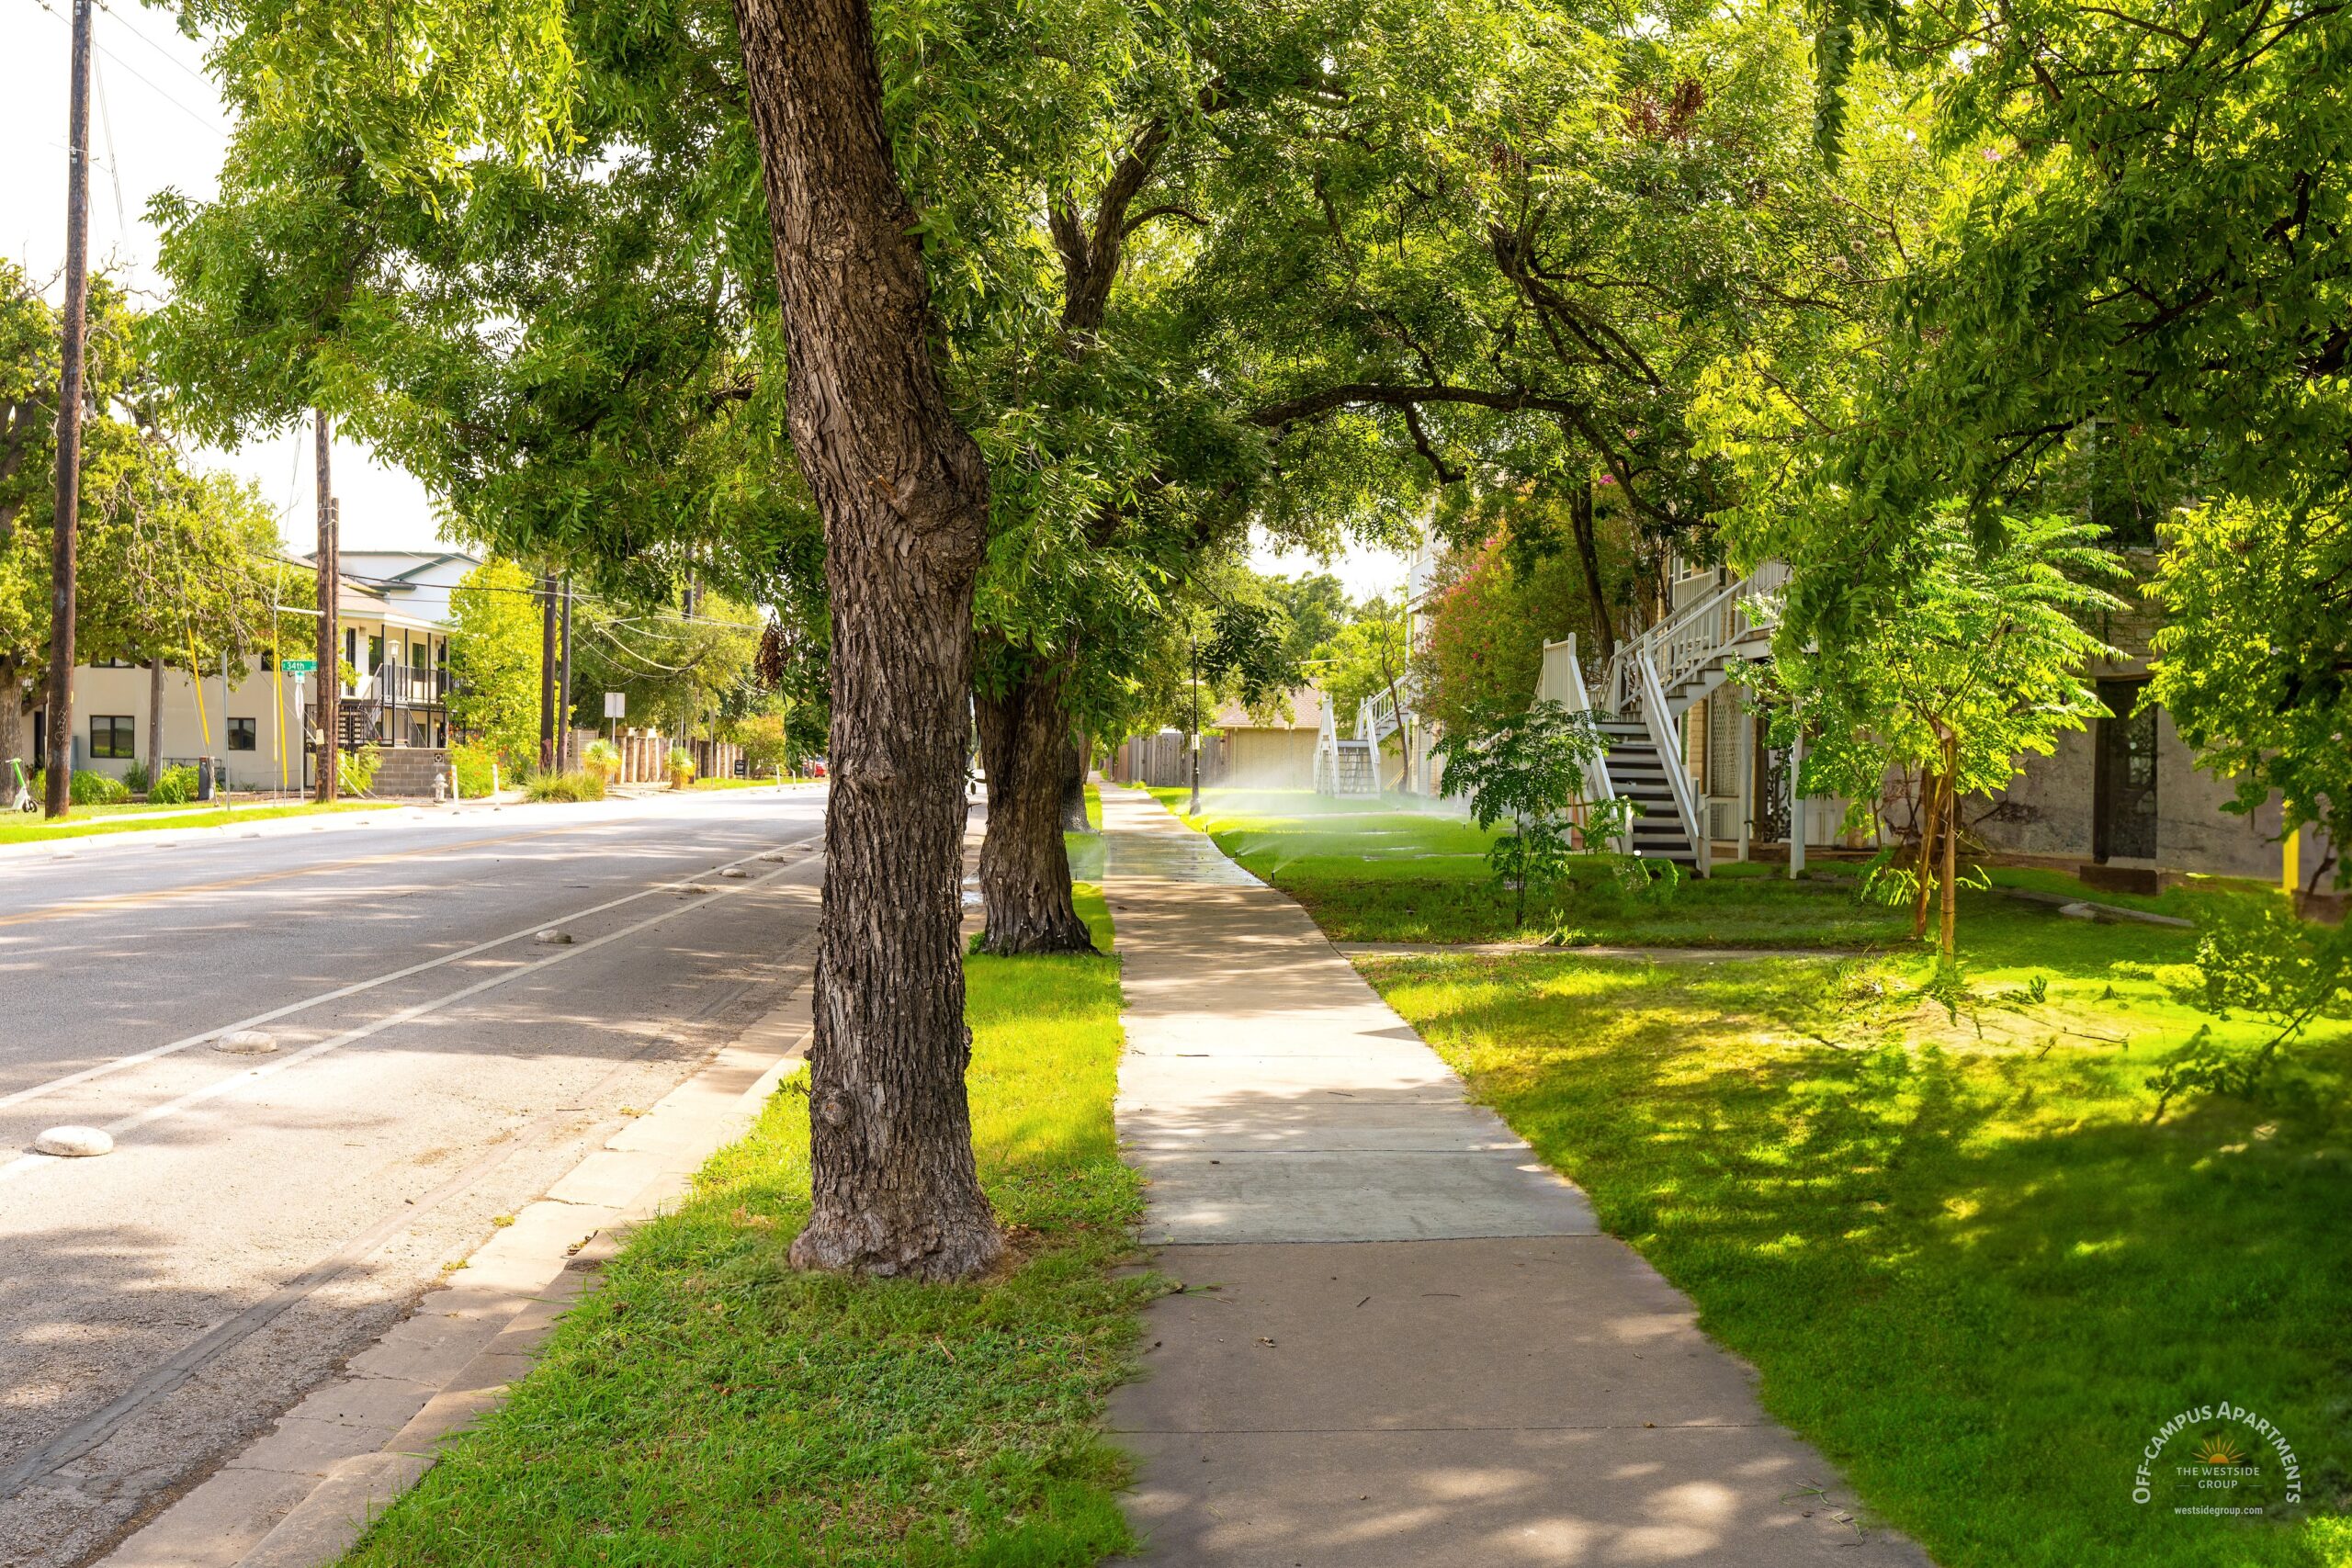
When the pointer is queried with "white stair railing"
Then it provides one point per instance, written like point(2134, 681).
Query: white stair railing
point(1380, 716)
point(1721, 624)
point(1561, 680)
point(1666, 735)
point(1326, 754)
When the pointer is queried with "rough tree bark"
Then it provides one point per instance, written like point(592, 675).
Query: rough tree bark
point(1082, 746)
point(903, 491)
point(1028, 910)
point(1589, 554)
point(1024, 864)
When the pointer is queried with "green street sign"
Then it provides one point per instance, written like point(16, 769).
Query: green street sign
point(300, 666)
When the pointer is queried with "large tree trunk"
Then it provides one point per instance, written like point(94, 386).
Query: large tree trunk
point(903, 491)
point(1589, 554)
point(1024, 864)
point(1081, 749)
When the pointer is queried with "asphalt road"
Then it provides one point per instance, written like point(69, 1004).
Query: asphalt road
point(263, 1218)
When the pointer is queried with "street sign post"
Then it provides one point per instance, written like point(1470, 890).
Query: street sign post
point(615, 710)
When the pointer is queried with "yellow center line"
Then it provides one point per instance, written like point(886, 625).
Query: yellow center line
point(111, 901)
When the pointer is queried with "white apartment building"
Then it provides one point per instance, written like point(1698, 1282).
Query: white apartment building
point(394, 611)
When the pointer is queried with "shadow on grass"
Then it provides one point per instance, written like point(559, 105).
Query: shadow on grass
point(711, 1406)
point(1979, 1280)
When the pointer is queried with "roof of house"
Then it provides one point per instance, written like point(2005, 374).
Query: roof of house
point(429, 562)
point(1306, 712)
point(398, 581)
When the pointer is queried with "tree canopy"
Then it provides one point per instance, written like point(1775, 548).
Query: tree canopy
point(172, 563)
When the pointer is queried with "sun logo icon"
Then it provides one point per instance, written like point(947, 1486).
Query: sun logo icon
point(2219, 1450)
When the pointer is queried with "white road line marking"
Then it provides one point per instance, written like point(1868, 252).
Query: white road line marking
point(352, 1036)
point(35, 1091)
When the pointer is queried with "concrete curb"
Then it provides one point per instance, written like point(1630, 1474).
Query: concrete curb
point(300, 1495)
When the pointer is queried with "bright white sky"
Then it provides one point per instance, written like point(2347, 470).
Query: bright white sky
point(156, 124)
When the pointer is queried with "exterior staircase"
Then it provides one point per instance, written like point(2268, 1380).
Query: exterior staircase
point(1636, 774)
point(1354, 769)
point(1350, 764)
point(1650, 682)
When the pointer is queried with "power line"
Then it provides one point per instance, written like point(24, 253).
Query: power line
point(133, 29)
point(113, 160)
point(198, 116)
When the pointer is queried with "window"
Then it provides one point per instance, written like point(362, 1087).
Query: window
point(375, 655)
point(240, 735)
point(110, 736)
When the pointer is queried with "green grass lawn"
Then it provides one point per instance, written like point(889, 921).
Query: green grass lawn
point(1387, 870)
point(710, 1405)
point(1381, 872)
point(1964, 1260)
point(25, 830)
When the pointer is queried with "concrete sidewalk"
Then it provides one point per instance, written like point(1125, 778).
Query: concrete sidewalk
point(1401, 1340)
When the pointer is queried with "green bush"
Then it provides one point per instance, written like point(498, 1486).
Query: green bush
point(135, 779)
point(474, 766)
point(681, 761)
point(96, 789)
point(355, 771)
point(601, 758)
point(175, 786)
point(765, 747)
point(572, 786)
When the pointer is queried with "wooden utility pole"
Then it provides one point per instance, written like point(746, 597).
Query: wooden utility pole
point(58, 787)
point(546, 673)
point(328, 674)
point(154, 719)
point(564, 760)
